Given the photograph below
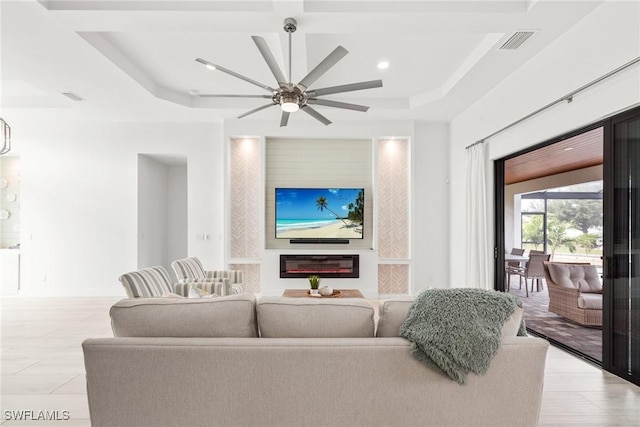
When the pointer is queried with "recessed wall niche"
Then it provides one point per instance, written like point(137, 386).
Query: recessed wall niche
point(318, 163)
point(394, 242)
point(245, 208)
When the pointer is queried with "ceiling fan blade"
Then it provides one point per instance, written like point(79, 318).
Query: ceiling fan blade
point(284, 119)
point(313, 113)
point(268, 57)
point(336, 104)
point(345, 88)
point(324, 66)
point(255, 110)
point(213, 66)
point(210, 95)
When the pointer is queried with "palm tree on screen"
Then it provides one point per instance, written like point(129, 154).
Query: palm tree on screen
point(322, 204)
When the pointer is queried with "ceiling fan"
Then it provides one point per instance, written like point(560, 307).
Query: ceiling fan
point(293, 97)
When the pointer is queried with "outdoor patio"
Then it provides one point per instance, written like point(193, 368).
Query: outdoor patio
point(539, 319)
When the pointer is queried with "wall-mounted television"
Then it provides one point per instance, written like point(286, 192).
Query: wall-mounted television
point(319, 213)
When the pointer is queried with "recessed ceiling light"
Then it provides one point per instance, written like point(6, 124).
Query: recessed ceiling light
point(568, 149)
point(383, 65)
point(73, 96)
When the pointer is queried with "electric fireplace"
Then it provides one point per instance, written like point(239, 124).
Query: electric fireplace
point(335, 266)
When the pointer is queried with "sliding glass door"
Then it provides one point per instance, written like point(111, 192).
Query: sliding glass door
point(621, 237)
point(621, 346)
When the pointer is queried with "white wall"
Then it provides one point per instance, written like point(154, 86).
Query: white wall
point(603, 41)
point(79, 193)
point(430, 200)
point(153, 216)
point(178, 232)
point(162, 213)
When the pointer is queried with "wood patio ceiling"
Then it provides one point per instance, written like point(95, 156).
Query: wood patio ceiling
point(578, 152)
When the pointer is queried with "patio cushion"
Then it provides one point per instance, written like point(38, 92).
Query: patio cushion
point(582, 277)
point(590, 301)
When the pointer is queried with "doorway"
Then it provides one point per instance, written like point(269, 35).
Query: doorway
point(553, 206)
point(162, 210)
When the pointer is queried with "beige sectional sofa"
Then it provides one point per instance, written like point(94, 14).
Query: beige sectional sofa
point(235, 361)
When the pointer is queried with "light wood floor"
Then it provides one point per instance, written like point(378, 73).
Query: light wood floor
point(43, 369)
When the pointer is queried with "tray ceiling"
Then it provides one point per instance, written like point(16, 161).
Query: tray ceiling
point(134, 60)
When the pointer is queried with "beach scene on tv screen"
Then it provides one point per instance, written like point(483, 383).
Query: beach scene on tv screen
point(319, 213)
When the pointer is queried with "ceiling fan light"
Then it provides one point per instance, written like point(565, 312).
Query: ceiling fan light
point(289, 102)
point(289, 107)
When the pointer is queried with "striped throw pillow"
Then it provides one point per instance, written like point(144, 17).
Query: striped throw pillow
point(210, 286)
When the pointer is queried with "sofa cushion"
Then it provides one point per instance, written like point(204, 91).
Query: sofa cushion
point(512, 325)
point(590, 301)
point(230, 316)
point(394, 312)
point(281, 317)
point(582, 277)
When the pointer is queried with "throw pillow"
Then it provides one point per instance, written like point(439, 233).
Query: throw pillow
point(168, 294)
point(582, 277)
point(193, 293)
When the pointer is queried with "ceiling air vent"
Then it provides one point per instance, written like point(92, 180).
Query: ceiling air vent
point(73, 96)
point(516, 40)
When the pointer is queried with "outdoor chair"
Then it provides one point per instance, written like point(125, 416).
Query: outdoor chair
point(512, 267)
point(533, 270)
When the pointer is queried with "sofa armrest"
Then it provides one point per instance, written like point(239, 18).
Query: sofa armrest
point(211, 286)
point(232, 280)
point(234, 276)
point(562, 295)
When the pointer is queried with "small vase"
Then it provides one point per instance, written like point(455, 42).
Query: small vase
point(313, 291)
point(325, 291)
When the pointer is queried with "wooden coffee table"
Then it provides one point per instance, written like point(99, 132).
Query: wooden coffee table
point(304, 293)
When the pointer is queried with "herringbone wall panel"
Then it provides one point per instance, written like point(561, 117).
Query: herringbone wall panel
point(251, 277)
point(393, 199)
point(393, 278)
point(245, 222)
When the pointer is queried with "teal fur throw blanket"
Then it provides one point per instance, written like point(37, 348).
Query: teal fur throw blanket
point(457, 331)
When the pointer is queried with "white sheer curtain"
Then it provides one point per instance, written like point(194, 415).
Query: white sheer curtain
point(478, 260)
